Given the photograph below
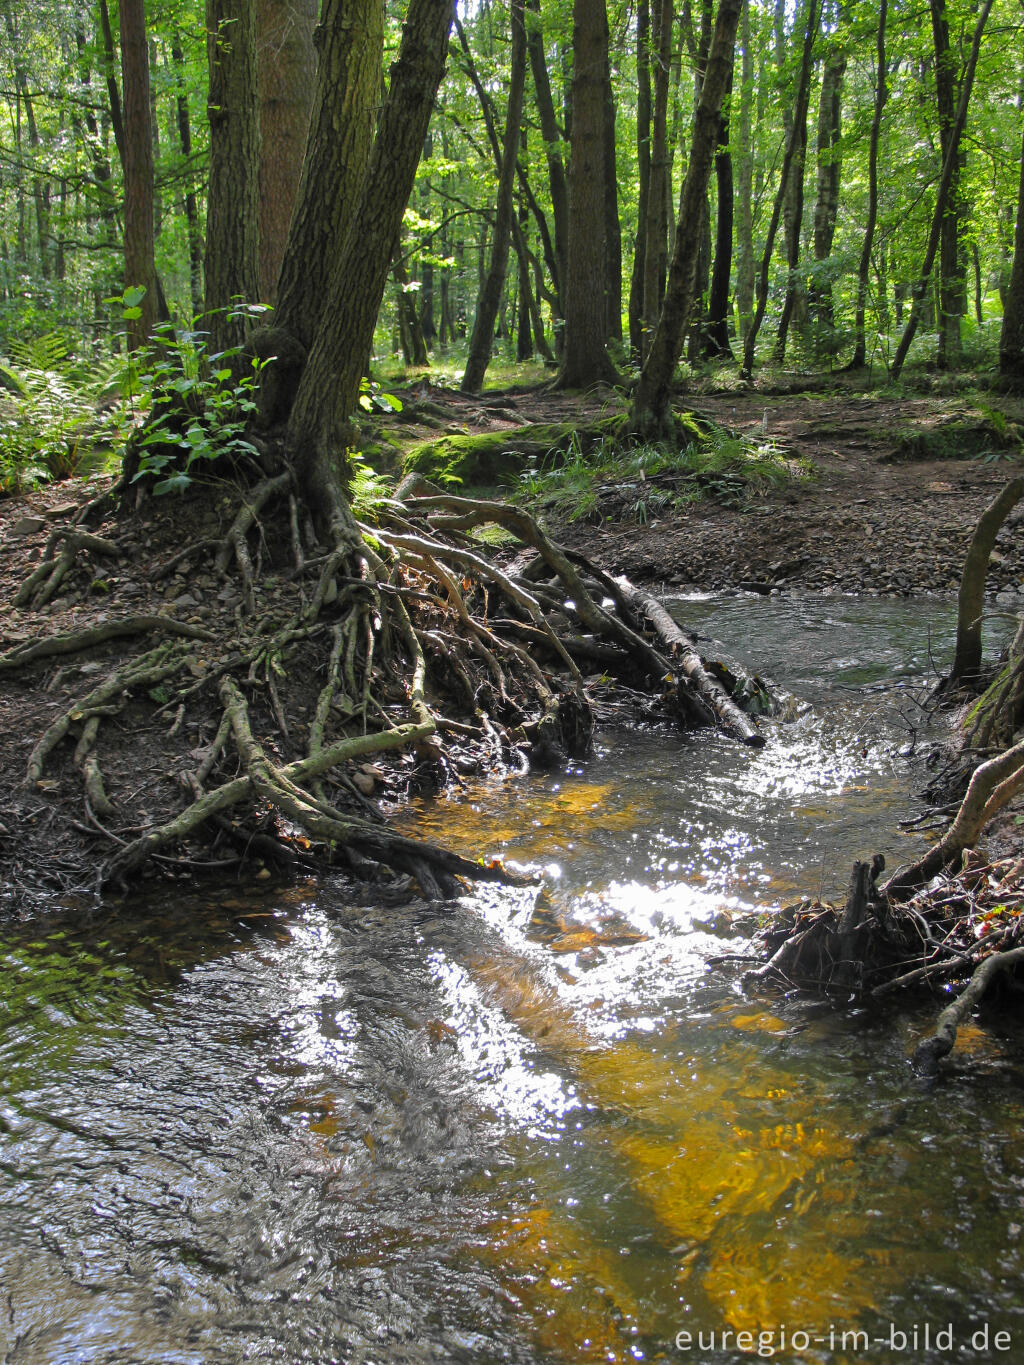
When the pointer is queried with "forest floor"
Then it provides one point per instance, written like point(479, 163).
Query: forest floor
point(894, 488)
point(877, 513)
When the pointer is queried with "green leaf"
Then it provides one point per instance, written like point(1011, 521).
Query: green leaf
point(174, 483)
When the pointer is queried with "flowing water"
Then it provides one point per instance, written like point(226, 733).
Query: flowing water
point(535, 1126)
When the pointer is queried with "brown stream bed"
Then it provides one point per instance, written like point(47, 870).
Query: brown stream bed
point(533, 1126)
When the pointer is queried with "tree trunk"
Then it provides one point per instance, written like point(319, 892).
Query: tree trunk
point(190, 203)
point(286, 62)
point(489, 301)
point(949, 170)
point(656, 236)
point(643, 156)
point(652, 402)
point(716, 330)
point(800, 115)
point(350, 40)
point(793, 202)
point(826, 207)
point(139, 263)
point(232, 223)
point(414, 346)
point(612, 229)
point(1011, 337)
point(319, 430)
point(971, 598)
point(585, 360)
point(952, 283)
point(525, 311)
point(864, 266)
point(549, 131)
point(110, 76)
point(745, 184)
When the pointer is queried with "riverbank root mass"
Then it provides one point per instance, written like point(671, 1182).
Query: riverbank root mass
point(264, 689)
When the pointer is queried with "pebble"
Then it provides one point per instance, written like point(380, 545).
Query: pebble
point(26, 526)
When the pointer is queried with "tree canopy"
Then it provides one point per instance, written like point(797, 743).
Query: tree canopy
point(802, 99)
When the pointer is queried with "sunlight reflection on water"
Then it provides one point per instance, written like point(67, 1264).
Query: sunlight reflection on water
point(530, 1126)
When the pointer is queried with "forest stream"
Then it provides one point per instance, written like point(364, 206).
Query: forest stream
point(537, 1125)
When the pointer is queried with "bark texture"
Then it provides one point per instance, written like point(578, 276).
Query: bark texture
point(232, 224)
point(345, 103)
point(585, 360)
point(286, 64)
point(139, 264)
point(318, 431)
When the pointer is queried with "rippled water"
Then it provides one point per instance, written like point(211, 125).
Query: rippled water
point(533, 1126)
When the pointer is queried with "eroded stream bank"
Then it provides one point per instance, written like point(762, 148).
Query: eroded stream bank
point(286, 1127)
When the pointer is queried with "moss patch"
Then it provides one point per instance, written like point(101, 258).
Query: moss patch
point(492, 457)
point(960, 436)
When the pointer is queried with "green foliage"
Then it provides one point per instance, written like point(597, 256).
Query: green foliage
point(484, 459)
point(56, 417)
point(368, 490)
point(201, 402)
point(645, 480)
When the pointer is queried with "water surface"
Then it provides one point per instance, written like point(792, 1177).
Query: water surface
point(534, 1125)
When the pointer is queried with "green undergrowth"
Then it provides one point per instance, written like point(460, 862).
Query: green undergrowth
point(986, 433)
point(491, 458)
point(59, 415)
point(598, 471)
point(610, 481)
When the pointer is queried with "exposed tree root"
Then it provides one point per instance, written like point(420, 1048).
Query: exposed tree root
point(46, 579)
point(403, 640)
point(76, 643)
point(928, 1053)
